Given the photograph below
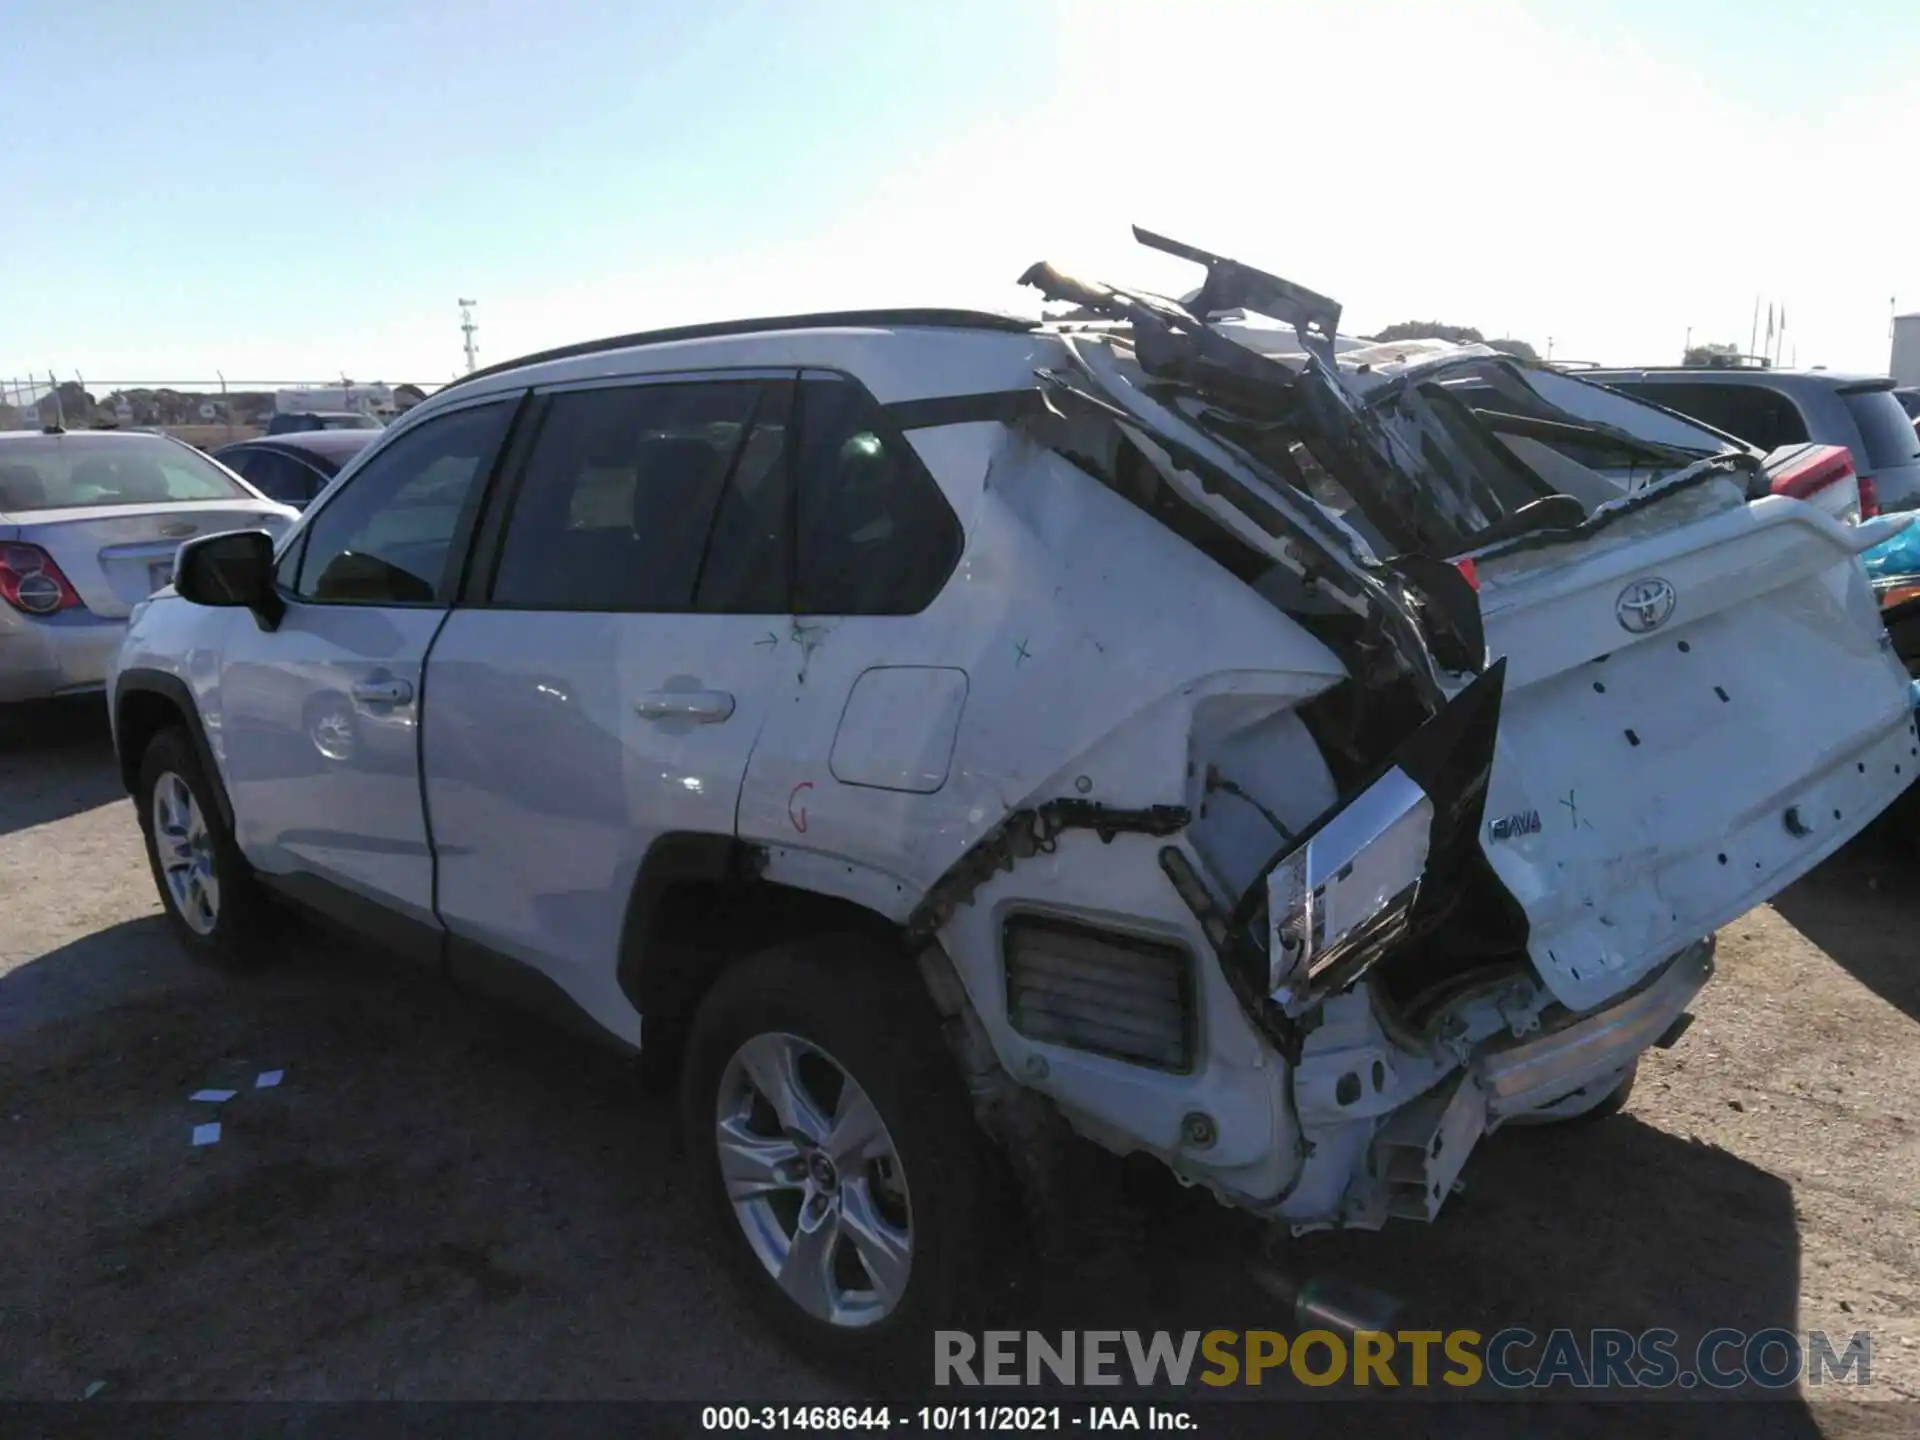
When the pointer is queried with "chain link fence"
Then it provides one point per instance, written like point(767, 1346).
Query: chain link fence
point(201, 412)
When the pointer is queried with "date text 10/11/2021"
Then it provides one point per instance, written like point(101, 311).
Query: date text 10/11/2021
point(988, 1419)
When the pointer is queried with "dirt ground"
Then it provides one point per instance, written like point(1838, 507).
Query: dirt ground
point(441, 1200)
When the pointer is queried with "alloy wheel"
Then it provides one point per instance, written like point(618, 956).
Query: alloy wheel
point(815, 1180)
point(186, 854)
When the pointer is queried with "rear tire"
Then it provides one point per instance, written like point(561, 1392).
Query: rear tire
point(854, 1200)
point(213, 903)
point(1612, 1103)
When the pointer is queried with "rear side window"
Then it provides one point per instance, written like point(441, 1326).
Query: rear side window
point(747, 568)
point(1761, 416)
point(1885, 430)
point(620, 493)
point(280, 477)
point(875, 535)
point(385, 537)
point(743, 497)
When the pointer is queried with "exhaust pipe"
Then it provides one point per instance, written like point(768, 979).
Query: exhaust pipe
point(1327, 1302)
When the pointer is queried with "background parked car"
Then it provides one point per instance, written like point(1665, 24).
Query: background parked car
point(1773, 408)
point(89, 525)
point(294, 468)
point(293, 422)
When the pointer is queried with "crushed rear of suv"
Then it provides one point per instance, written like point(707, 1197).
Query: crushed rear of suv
point(1287, 761)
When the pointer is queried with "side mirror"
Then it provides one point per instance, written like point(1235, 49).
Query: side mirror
point(231, 569)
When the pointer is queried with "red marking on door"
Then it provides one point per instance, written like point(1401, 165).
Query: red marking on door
point(799, 816)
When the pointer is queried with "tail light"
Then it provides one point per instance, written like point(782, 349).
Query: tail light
point(31, 582)
point(1821, 466)
point(1869, 498)
point(1468, 569)
point(1899, 594)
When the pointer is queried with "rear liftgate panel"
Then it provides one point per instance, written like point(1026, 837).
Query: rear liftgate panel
point(1693, 720)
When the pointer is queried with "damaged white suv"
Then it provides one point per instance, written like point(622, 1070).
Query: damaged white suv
point(932, 733)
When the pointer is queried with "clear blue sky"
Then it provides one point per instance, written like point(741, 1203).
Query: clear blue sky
point(196, 185)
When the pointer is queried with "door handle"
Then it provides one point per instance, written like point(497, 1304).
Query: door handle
point(383, 692)
point(704, 707)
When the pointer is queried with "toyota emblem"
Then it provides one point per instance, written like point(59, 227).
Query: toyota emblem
point(1645, 606)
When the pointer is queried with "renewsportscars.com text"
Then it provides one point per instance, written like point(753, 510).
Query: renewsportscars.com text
point(1512, 1359)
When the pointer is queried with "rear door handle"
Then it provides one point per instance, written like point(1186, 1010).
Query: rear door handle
point(705, 707)
point(383, 692)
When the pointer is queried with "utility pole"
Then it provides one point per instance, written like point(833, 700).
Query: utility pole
point(1686, 348)
point(467, 327)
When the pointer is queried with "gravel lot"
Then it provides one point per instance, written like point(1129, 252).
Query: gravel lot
point(441, 1200)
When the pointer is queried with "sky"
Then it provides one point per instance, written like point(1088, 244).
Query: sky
point(295, 193)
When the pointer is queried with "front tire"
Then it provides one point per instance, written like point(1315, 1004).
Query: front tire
point(834, 1150)
point(212, 901)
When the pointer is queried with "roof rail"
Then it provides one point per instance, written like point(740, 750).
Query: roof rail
point(1574, 364)
point(1724, 362)
point(824, 320)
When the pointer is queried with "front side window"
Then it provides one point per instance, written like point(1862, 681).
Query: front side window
point(875, 535)
point(384, 539)
point(621, 491)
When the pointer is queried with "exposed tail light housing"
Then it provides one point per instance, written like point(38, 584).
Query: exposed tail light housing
point(31, 583)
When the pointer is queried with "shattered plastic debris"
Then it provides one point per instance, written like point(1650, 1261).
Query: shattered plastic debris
point(213, 1097)
point(267, 1079)
point(94, 1389)
point(207, 1134)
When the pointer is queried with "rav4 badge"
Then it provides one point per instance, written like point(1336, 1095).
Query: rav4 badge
point(1645, 605)
point(1522, 822)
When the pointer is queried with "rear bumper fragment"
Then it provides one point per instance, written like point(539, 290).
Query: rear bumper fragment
point(1534, 1072)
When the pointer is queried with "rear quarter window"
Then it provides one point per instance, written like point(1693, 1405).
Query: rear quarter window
point(1758, 414)
point(1885, 431)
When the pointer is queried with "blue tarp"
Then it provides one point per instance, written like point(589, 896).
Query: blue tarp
point(1898, 556)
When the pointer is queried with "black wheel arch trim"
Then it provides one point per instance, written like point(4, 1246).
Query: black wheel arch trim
point(172, 688)
point(672, 859)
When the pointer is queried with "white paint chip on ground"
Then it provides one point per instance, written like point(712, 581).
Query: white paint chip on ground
point(94, 1389)
point(207, 1134)
point(267, 1079)
point(213, 1097)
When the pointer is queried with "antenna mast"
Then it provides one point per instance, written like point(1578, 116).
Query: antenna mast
point(467, 327)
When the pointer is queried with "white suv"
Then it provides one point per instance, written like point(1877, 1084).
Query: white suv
point(932, 732)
